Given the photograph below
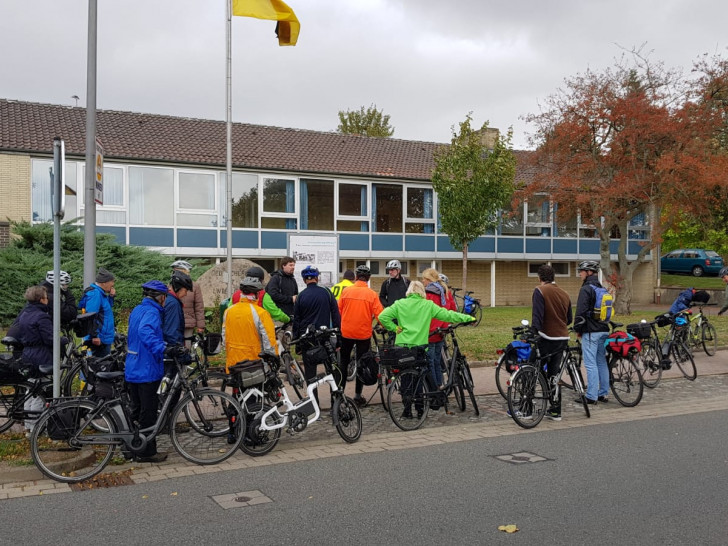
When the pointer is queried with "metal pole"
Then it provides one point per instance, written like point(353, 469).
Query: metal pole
point(89, 217)
point(57, 186)
point(229, 152)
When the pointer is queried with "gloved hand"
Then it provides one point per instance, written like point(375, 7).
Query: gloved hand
point(174, 351)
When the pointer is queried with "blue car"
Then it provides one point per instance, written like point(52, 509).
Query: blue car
point(696, 261)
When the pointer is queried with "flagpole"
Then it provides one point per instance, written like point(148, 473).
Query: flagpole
point(229, 152)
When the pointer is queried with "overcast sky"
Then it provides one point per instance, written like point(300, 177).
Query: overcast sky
point(426, 63)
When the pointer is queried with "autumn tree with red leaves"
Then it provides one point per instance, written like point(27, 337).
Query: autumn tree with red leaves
point(633, 139)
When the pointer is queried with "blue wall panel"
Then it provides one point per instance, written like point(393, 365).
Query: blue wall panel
point(482, 244)
point(241, 239)
point(588, 246)
point(273, 239)
point(387, 242)
point(348, 241)
point(144, 236)
point(565, 246)
point(538, 245)
point(118, 232)
point(205, 238)
point(443, 244)
point(613, 247)
point(508, 244)
point(419, 243)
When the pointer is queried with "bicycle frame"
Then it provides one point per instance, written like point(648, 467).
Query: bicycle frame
point(308, 407)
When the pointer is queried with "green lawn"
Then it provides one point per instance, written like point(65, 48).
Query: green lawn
point(688, 281)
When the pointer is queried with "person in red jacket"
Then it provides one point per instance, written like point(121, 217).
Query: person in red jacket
point(437, 292)
point(359, 305)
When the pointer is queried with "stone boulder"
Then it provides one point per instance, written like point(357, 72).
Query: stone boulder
point(214, 281)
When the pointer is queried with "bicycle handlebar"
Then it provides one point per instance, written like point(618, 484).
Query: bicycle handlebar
point(316, 333)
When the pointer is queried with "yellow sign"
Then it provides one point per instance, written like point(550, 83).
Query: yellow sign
point(99, 181)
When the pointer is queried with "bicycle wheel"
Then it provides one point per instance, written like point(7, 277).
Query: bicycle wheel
point(527, 397)
point(65, 444)
point(709, 337)
point(294, 374)
point(477, 314)
point(577, 383)
point(466, 378)
point(214, 422)
point(407, 402)
point(382, 384)
point(684, 360)
point(501, 377)
point(626, 381)
point(348, 418)
point(458, 391)
point(648, 363)
point(75, 382)
point(353, 365)
point(256, 441)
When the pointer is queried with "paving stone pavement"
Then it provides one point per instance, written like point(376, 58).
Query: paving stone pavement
point(674, 396)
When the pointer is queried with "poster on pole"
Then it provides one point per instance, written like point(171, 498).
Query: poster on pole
point(99, 178)
point(321, 251)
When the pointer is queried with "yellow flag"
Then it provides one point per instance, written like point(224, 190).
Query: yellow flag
point(288, 26)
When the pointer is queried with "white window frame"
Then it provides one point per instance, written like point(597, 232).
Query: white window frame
point(80, 195)
point(346, 218)
point(537, 264)
point(411, 220)
point(261, 199)
point(178, 209)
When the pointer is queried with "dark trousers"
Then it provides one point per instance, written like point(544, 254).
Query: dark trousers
point(554, 351)
point(100, 351)
point(144, 408)
point(347, 344)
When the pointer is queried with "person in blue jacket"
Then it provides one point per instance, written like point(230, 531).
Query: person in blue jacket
point(99, 298)
point(173, 323)
point(145, 361)
point(686, 298)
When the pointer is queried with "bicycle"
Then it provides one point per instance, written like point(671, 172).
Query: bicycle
point(511, 357)
point(458, 365)
point(625, 378)
point(649, 361)
point(676, 347)
point(75, 365)
point(291, 366)
point(530, 391)
point(19, 383)
point(75, 438)
point(468, 304)
point(344, 412)
point(702, 332)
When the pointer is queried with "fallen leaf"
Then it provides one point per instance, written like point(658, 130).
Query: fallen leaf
point(174, 494)
point(145, 496)
point(508, 528)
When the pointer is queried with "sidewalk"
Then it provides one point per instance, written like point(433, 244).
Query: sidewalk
point(673, 396)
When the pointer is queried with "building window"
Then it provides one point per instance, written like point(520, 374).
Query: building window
point(561, 269)
point(374, 266)
point(387, 208)
point(639, 227)
point(113, 211)
point(564, 227)
point(420, 211)
point(196, 200)
point(244, 200)
point(41, 170)
point(150, 196)
point(511, 222)
point(317, 204)
point(538, 216)
point(587, 231)
point(279, 204)
point(352, 202)
point(421, 266)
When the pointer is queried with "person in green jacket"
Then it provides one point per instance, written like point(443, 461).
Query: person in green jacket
point(264, 299)
point(413, 314)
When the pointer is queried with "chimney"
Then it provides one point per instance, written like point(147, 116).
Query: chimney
point(488, 137)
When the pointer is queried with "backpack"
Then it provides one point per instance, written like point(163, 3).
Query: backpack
point(468, 304)
point(603, 304)
point(367, 370)
point(622, 343)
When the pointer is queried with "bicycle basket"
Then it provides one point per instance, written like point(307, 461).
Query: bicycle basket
point(247, 373)
point(403, 357)
point(84, 324)
point(640, 330)
point(212, 344)
point(663, 320)
point(622, 343)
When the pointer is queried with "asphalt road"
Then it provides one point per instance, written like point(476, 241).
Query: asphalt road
point(654, 481)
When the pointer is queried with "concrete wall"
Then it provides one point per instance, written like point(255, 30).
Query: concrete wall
point(15, 187)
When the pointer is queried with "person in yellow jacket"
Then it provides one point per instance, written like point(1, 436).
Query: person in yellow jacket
point(347, 281)
point(247, 328)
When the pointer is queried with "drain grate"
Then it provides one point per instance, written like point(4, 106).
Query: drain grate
point(238, 500)
point(521, 458)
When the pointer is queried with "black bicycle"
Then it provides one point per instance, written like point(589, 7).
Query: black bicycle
point(75, 438)
point(457, 367)
point(468, 304)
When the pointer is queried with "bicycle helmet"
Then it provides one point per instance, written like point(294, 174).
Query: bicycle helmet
point(310, 272)
point(251, 285)
point(363, 271)
point(181, 264)
point(588, 265)
point(256, 272)
point(444, 278)
point(64, 277)
point(393, 264)
point(723, 272)
point(180, 280)
point(153, 289)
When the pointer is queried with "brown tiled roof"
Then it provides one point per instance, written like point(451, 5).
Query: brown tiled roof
point(31, 127)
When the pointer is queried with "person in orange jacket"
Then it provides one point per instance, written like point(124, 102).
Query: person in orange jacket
point(359, 305)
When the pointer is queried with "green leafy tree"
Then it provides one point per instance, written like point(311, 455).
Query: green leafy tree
point(370, 122)
point(472, 183)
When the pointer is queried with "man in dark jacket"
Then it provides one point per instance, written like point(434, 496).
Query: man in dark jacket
point(173, 322)
point(593, 332)
point(395, 287)
point(68, 301)
point(550, 317)
point(316, 306)
point(283, 287)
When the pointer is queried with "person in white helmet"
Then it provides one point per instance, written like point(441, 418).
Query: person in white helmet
point(194, 305)
point(395, 287)
point(68, 301)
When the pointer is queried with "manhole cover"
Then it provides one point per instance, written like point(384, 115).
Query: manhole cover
point(238, 500)
point(521, 458)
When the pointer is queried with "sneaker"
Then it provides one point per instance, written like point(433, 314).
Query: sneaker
point(553, 415)
point(158, 457)
point(360, 401)
point(520, 415)
point(603, 399)
point(588, 401)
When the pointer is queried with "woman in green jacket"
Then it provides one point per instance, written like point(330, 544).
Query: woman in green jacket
point(413, 314)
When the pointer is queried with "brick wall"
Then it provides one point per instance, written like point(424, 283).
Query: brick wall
point(14, 187)
point(4, 234)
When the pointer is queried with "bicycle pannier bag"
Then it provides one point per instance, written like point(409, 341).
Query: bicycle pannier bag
point(468, 304)
point(622, 343)
point(315, 355)
point(249, 372)
point(640, 330)
point(84, 324)
point(602, 304)
point(402, 357)
point(516, 353)
point(663, 320)
point(12, 369)
point(368, 368)
point(64, 423)
point(212, 344)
